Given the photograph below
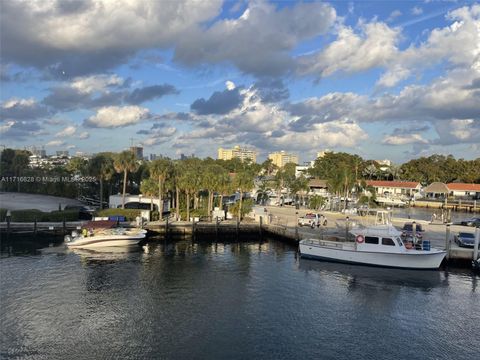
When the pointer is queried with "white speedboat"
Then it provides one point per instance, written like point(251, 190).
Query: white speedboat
point(377, 246)
point(105, 237)
point(388, 201)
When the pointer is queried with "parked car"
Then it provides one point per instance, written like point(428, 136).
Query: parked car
point(474, 221)
point(84, 212)
point(312, 220)
point(407, 230)
point(464, 239)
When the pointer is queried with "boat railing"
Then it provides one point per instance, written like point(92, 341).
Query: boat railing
point(324, 243)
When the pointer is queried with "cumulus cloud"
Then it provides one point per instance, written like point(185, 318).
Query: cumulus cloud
point(147, 93)
point(117, 116)
point(373, 46)
point(96, 83)
point(404, 139)
point(55, 143)
point(67, 132)
point(458, 131)
point(259, 41)
point(19, 130)
point(83, 135)
point(22, 109)
point(221, 102)
point(74, 41)
point(457, 44)
point(332, 134)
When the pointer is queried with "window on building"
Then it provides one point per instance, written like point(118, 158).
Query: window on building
point(371, 240)
point(388, 241)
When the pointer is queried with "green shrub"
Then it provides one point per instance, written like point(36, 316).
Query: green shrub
point(193, 213)
point(130, 214)
point(27, 215)
point(247, 206)
point(53, 216)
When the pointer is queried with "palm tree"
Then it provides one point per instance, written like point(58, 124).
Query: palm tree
point(125, 162)
point(101, 166)
point(149, 187)
point(225, 185)
point(243, 182)
point(161, 169)
point(263, 193)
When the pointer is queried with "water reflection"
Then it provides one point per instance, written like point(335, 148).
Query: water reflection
point(363, 276)
point(106, 254)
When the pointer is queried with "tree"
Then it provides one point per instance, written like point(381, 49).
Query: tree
point(300, 185)
point(149, 187)
point(125, 162)
point(370, 171)
point(161, 169)
point(101, 166)
point(243, 182)
point(316, 202)
point(269, 167)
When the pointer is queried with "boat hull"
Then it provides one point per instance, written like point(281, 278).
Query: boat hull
point(421, 260)
point(107, 240)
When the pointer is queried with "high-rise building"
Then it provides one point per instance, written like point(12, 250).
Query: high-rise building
point(237, 152)
point(281, 158)
point(137, 151)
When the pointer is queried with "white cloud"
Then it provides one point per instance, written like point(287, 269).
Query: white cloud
point(458, 43)
point(94, 83)
point(6, 126)
point(331, 134)
point(404, 139)
point(117, 116)
point(393, 15)
point(416, 10)
point(159, 135)
point(15, 102)
point(374, 46)
point(259, 41)
point(67, 132)
point(230, 85)
point(84, 135)
point(80, 36)
point(55, 143)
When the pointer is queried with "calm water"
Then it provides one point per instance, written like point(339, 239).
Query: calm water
point(426, 214)
point(229, 301)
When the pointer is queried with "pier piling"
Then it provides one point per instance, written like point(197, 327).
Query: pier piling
point(475, 245)
point(447, 241)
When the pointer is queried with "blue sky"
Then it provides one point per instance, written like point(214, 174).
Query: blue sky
point(382, 79)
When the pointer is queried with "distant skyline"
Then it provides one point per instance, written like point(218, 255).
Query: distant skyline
point(381, 79)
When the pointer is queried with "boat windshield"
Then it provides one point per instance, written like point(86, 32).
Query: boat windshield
point(399, 241)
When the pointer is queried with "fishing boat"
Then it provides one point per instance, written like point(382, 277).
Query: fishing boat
point(104, 233)
point(379, 245)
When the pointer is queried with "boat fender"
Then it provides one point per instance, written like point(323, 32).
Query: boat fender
point(360, 239)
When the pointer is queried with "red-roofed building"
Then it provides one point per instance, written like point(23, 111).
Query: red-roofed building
point(464, 190)
point(395, 188)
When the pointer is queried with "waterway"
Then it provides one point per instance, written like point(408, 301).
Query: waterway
point(184, 300)
point(426, 214)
